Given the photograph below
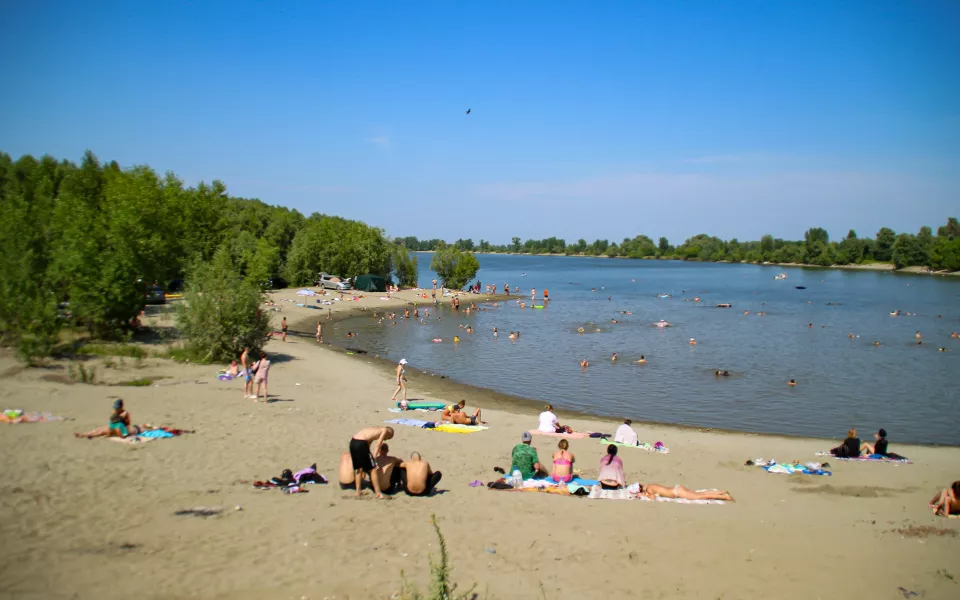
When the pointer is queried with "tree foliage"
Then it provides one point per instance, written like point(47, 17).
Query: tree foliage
point(221, 314)
point(405, 267)
point(454, 266)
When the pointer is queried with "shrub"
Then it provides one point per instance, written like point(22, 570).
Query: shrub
point(221, 312)
point(440, 586)
point(454, 266)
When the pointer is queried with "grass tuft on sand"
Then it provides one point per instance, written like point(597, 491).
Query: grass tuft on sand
point(440, 586)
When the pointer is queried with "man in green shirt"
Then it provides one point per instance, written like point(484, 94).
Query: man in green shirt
point(525, 459)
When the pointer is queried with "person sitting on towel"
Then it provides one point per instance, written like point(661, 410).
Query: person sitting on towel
point(850, 448)
point(625, 434)
point(454, 414)
point(652, 490)
point(415, 476)
point(879, 447)
point(524, 458)
point(549, 422)
point(611, 470)
point(119, 425)
point(947, 502)
point(563, 461)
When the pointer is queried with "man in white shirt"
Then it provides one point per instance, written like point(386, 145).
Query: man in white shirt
point(625, 434)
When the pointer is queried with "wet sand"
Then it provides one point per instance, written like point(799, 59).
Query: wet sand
point(95, 518)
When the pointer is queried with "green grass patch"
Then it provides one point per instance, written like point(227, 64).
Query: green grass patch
point(183, 354)
point(140, 382)
point(127, 350)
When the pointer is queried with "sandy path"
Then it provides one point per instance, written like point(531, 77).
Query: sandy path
point(94, 519)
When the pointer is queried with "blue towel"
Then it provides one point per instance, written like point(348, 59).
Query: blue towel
point(156, 433)
point(408, 422)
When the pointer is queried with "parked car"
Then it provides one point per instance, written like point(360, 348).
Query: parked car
point(275, 283)
point(155, 295)
point(332, 282)
point(175, 286)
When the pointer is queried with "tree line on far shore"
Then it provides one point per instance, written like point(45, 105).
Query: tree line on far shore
point(82, 244)
point(939, 252)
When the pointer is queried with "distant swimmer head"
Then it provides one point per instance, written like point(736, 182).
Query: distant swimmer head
point(792, 382)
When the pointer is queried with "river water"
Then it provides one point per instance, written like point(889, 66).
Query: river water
point(908, 389)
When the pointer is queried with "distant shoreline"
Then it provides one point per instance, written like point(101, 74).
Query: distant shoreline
point(885, 267)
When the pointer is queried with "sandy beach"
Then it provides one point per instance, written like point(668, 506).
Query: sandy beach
point(95, 518)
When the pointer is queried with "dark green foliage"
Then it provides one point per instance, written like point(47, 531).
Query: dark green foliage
point(883, 248)
point(339, 247)
point(454, 266)
point(404, 267)
point(220, 313)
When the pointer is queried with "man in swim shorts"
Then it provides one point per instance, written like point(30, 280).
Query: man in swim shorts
point(247, 376)
point(416, 477)
point(363, 445)
point(454, 414)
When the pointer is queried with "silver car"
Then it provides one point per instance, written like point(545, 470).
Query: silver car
point(332, 282)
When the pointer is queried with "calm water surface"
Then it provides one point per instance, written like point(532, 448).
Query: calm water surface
point(908, 389)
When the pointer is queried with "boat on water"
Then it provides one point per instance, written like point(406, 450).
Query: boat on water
point(781, 276)
point(800, 287)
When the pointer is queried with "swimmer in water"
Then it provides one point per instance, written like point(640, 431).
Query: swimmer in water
point(456, 339)
point(696, 298)
point(955, 335)
point(746, 312)
point(809, 325)
point(495, 334)
point(512, 336)
point(469, 329)
point(918, 336)
point(792, 382)
point(614, 321)
point(642, 360)
point(876, 343)
point(850, 335)
point(942, 350)
point(351, 334)
point(693, 342)
point(580, 330)
point(614, 357)
point(584, 364)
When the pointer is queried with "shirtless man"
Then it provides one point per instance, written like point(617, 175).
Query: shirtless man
point(386, 471)
point(247, 376)
point(652, 490)
point(454, 414)
point(416, 477)
point(363, 446)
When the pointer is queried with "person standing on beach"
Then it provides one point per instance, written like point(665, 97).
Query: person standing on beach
point(319, 332)
point(401, 382)
point(247, 375)
point(262, 368)
point(362, 451)
point(283, 330)
point(434, 288)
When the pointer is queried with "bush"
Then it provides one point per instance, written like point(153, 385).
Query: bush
point(454, 266)
point(221, 311)
point(440, 586)
point(405, 267)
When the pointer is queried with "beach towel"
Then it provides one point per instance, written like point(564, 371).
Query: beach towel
point(407, 422)
point(149, 435)
point(658, 447)
point(630, 493)
point(15, 416)
point(792, 469)
point(226, 376)
point(889, 458)
point(457, 428)
point(569, 436)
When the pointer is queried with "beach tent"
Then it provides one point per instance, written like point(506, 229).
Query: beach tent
point(370, 283)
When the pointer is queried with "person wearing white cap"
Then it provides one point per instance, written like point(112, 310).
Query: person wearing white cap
point(401, 383)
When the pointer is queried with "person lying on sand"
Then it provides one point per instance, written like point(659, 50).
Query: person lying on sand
point(454, 414)
point(362, 447)
point(119, 425)
point(563, 461)
point(524, 458)
point(947, 502)
point(415, 476)
point(652, 490)
point(611, 470)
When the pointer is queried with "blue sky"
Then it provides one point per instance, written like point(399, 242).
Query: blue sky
point(590, 119)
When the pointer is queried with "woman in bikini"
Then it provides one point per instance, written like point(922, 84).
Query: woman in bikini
point(119, 425)
point(652, 490)
point(947, 502)
point(563, 461)
point(262, 367)
point(401, 382)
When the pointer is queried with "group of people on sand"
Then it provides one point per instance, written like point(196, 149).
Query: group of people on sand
point(254, 373)
point(852, 447)
point(369, 457)
point(524, 458)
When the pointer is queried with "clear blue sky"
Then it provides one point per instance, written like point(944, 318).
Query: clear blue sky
point(590, 119)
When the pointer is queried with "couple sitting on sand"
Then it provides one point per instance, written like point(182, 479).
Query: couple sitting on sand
point(454, 414)
point(387, 473)
point(524, 459)
point(853, 448)
point(947, 502)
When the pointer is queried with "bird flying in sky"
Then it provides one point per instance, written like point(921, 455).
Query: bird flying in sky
point(468, 110)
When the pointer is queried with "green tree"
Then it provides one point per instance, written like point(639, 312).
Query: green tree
point(220, 314)
point(664, 246)
point(405, 267)
point(883, 247)
point(515, 244)
point(454, 266)
point(907, 251)
point(337, 246)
